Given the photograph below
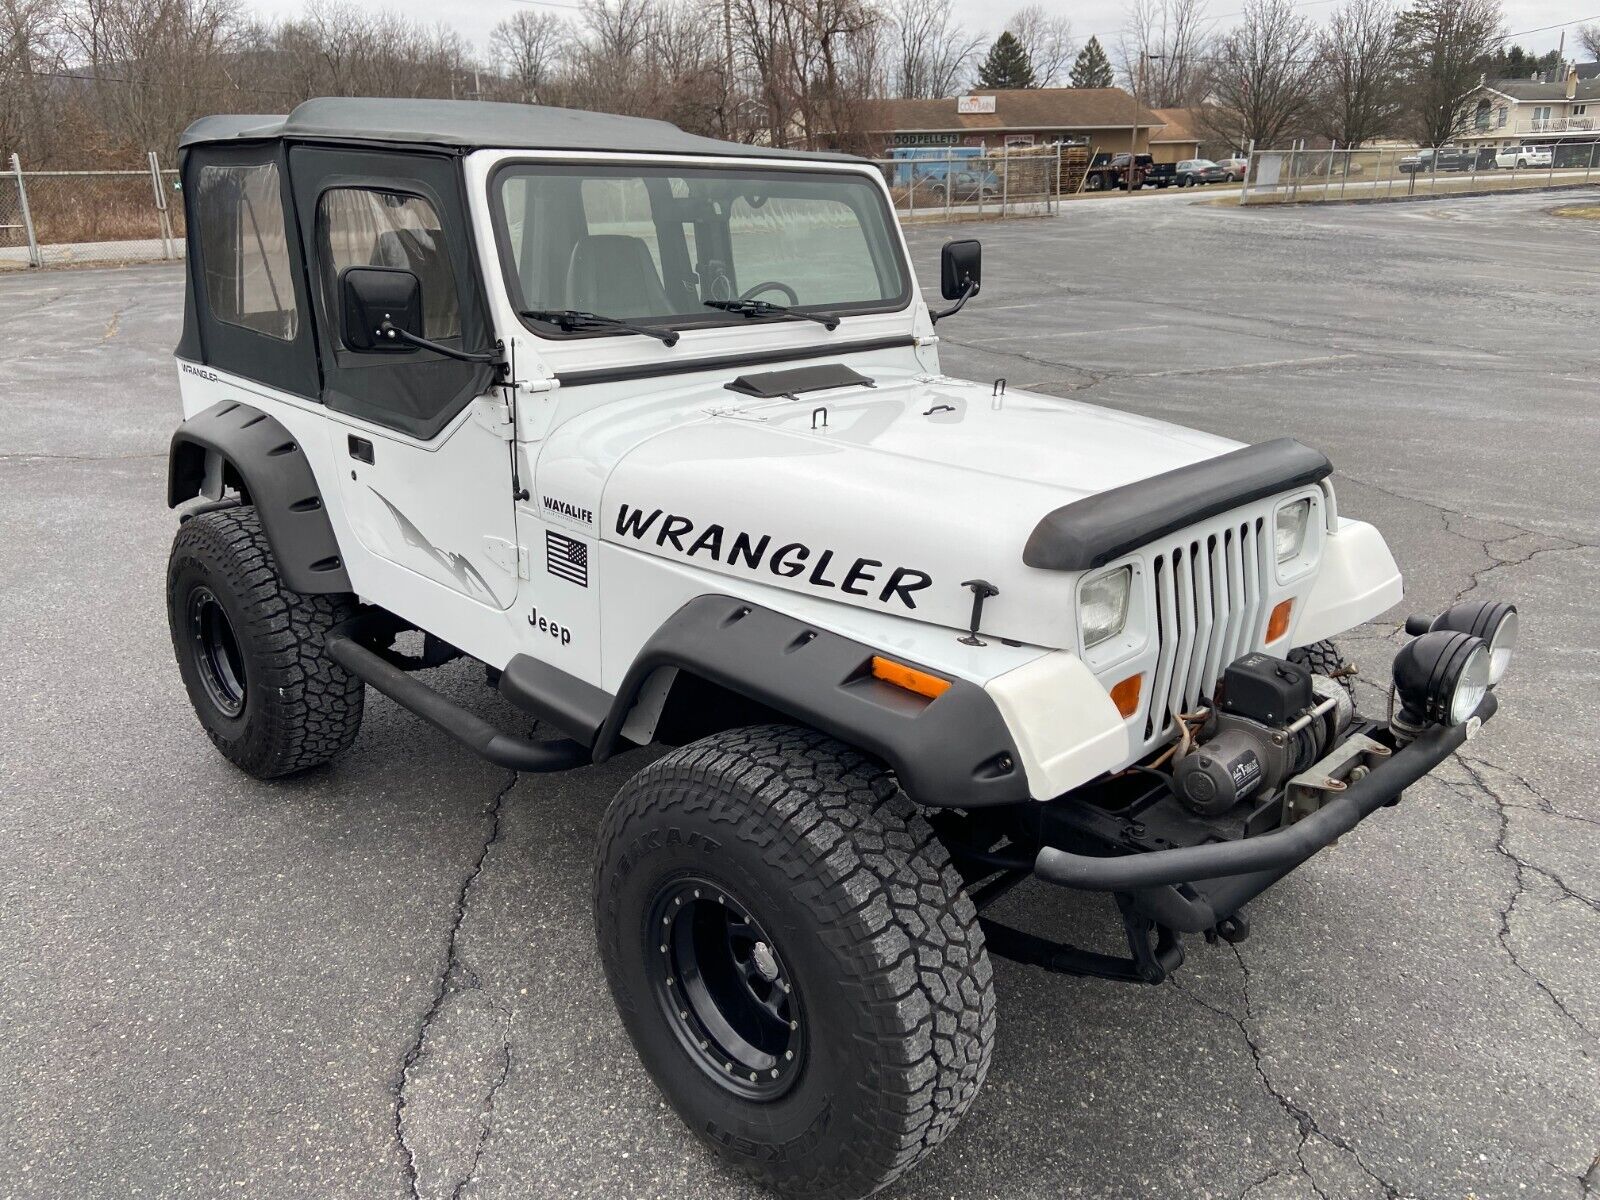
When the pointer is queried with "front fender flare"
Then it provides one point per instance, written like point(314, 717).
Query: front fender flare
point(275, 478)
point(954, 751)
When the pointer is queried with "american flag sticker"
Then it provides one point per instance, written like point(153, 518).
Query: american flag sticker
point(566, 558)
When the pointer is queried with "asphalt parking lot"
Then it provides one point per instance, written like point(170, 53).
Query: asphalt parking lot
point(379, 979)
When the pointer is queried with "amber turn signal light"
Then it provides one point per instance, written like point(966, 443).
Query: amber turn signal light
point(909, 678)
point(1125, 695)
point(1278, 623)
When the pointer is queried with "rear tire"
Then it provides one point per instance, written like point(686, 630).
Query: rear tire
point(250, 650)
point(794, 957)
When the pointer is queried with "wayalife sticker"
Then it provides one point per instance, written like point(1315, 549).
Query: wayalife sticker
point(566, 558)
point(561, 508)
point(789, 560)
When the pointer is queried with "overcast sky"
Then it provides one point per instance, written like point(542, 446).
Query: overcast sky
point(474, 18)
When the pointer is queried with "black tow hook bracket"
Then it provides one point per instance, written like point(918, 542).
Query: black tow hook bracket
point(1232, 930)
point(982, 590)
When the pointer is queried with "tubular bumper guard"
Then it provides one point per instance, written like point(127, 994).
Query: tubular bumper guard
point(1193, 888)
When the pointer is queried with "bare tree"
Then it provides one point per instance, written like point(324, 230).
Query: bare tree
point(26, 54)
point(814, 67)
point(1440, 43)
point(1048, 42)
point(1589, 39)
point(929, 52)
point(1164, 42)
point(1360, 62)
point(1264, 75)
point(526, 47)
point(155, 65)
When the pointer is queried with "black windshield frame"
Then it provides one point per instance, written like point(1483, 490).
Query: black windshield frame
point(710, 318)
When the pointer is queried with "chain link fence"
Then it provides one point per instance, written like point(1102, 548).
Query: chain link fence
point(64, 218)
point(962, 186)
point(1301, 176)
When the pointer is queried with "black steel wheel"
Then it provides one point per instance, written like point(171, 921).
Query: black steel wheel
point(794, 956)
point(725, 989)
point(250, 650)
point(218, 658)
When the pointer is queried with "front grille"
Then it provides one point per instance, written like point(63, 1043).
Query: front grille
point(1210, 608)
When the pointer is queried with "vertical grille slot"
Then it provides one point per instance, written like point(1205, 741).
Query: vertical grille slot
point(1210, 594)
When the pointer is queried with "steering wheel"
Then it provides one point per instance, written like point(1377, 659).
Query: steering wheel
point(771, 285)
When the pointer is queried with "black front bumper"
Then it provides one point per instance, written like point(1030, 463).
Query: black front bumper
point(1192, 889)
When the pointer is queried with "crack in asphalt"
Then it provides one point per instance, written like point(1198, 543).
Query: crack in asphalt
point(454, 979)
point(487, 1113)
point(1519, 870)
point(1305, 1123)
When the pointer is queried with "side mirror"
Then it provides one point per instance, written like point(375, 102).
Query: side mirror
point(960, 273)
point(380, 308)
point(960, 268)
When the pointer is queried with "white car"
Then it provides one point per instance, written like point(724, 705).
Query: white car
point(1522, 157)
point(655, 428)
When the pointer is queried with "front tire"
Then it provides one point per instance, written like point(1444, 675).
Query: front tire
point(1325, 658)
point(794, 957)
point(250, 650)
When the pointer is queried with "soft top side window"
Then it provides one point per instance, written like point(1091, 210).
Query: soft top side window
point(244, 248)
point(374, 227)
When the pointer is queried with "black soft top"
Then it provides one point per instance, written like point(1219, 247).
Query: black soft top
point(473, 125)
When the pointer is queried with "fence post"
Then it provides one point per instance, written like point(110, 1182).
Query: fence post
point(35, 259)
point(1249, 171)
point(1005, 183)
point(162, 216)
point(949, 178)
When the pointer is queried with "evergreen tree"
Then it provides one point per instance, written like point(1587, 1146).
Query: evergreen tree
point(1006, 66)
point(1093, 68)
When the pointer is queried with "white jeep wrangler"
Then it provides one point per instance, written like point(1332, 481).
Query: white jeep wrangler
point(654, 427)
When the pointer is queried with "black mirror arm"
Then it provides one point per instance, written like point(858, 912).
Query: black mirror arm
point(390, 330)
point(935, 315)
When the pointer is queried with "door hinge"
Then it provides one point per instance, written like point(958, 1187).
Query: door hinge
point(494, 414)
point(510, 557)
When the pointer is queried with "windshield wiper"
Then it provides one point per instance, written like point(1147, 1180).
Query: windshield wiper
point(569, 319)
point(765, 308)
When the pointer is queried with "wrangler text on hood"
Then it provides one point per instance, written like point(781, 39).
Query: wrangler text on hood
point(787, 560)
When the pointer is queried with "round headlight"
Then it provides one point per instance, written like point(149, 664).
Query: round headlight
point(1493, 621)
point(1441, 677)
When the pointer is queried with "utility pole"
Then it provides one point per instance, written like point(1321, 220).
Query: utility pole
point(727, 67)
point(1133, 126)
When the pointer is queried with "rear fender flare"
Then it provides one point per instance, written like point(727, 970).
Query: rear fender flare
point(268, 464)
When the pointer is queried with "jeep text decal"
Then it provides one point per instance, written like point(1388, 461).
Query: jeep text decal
point(789, 560)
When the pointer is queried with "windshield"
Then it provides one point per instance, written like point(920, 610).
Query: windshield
point(654, 244)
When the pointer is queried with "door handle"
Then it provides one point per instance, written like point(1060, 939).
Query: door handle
point(360, 449)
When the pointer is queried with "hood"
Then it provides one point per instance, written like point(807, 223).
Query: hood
point(890, 497)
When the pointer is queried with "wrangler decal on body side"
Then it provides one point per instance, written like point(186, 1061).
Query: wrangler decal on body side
point(788, 560)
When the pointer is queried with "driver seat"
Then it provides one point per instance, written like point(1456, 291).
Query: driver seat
point(613, 275)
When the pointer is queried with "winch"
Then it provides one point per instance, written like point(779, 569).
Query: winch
point(1272, 719)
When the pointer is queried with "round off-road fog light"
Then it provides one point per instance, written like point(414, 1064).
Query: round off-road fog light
point(1493, 621)
point(1441, 678)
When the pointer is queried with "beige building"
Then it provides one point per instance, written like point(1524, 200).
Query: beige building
point(1103, 119)
point(1178, 138)
point(1518, 112)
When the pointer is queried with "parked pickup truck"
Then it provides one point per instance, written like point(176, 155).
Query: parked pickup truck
point(1109, 171)
point(1445, 158)
point(1522, 157)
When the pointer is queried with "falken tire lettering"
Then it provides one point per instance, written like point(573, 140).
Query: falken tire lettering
point(790, 560)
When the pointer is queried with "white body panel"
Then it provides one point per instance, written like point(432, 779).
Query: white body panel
point(897, 494)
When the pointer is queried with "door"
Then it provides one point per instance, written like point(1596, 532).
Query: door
point(425, 451)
